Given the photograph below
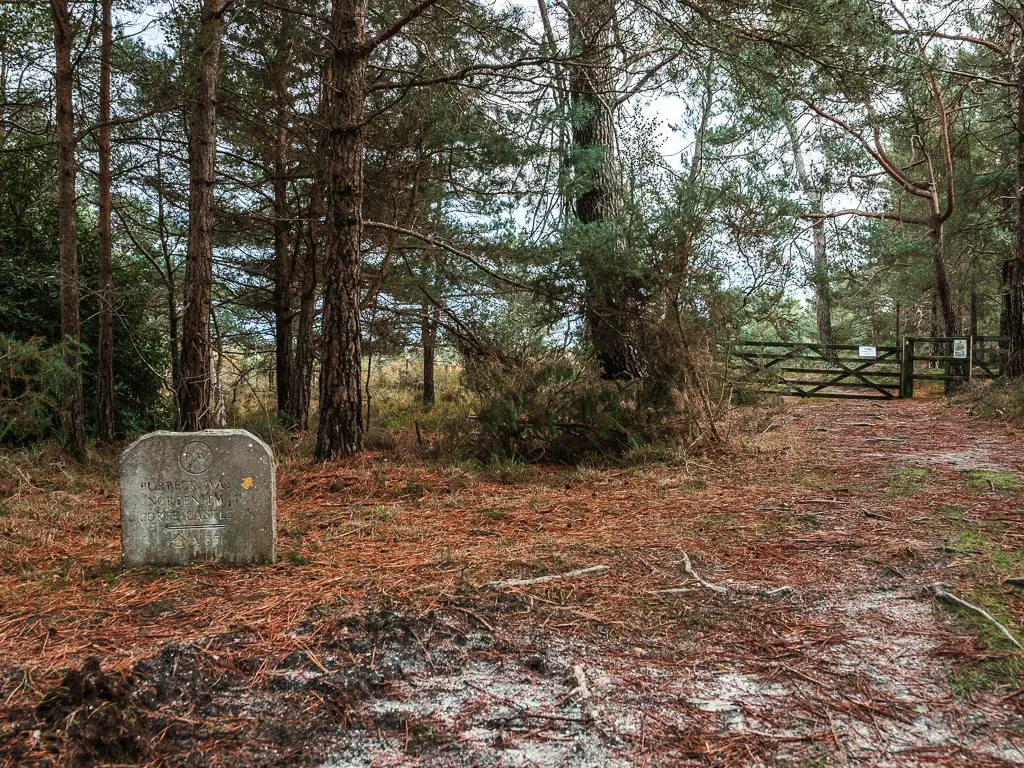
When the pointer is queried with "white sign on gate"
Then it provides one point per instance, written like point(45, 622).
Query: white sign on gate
point(960, 349)
point(868, 352)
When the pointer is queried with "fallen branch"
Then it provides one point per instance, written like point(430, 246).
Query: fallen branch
point(688, 567)
point(877, 515)
point(1014, 581)
point(468, 612)
point(546, 579)
point(675, 591)
point(949, 597)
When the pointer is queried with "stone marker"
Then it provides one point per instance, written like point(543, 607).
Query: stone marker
point(198, 496)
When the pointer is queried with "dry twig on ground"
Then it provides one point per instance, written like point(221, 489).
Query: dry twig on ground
point(546, 579)
point(949, 597)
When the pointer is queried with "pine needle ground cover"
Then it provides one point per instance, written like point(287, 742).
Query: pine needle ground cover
point(771, 606)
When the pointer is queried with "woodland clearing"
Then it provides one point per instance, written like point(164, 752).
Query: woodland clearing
point(771, 606)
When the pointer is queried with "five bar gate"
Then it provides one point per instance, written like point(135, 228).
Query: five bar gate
point(807, 369)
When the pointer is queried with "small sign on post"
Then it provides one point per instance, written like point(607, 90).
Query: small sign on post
point(960, 349)
point(868, 352)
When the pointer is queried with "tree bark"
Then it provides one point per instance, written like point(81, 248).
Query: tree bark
point(973, 323)
point(942, 290)
point(303, 367)
point(284, 294)
point(340, 430)
point(1004, 297)
point(613, 291)
point(819, 275)
point(302, 387)
point(169, 275)
point(428, 339)
point(70, 322)
point(105, 362)
point(1015, 269)
point(194, 398)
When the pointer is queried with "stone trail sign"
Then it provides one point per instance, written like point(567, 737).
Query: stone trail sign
point(198, 496)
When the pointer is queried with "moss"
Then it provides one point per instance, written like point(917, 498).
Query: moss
point(1000, 670)
point(952, 513)
point(990, 675)
point(970, 541)
point(907, 481)
point(988, 481)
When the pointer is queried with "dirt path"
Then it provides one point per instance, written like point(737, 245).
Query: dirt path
point(813, 641)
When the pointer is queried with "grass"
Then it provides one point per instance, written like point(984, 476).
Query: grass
point(495, 514)
point(908, 481)
point(951, 513)
point(506, 470)
point(985, 481)
point(1001, 668)
point(984, 676)
point(713, 520)
point(651, 455)
point(297, 558)
point(970, 541)
point(817, 478)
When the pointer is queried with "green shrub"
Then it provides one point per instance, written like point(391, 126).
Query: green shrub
point(30, 308)
point(32, 374)
point(548, 409)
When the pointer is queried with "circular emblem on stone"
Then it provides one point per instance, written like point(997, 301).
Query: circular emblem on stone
point(196, 457)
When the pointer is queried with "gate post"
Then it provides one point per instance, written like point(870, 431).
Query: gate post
point(907, 369)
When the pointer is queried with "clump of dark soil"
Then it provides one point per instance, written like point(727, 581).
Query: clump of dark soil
point(92, 717)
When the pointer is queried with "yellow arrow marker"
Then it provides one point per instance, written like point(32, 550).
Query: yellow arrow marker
point(247, 482)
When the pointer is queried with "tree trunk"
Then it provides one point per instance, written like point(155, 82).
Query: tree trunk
point(613, 291)
point(194, 398)
point(973, 325)
point(942, 290)
point(1015, 269)
point(284, 261)
point(340, 431)
point(428, 338)
point(105, 364)
point(70, 323)
point(283, 293)
point(1004, 297)
point(819, 275)
point(169, 275)
point(302, 386)
point(821, 281)
point(286, 247)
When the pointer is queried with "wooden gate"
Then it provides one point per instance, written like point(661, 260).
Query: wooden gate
point(805, 369)
point(950, 360)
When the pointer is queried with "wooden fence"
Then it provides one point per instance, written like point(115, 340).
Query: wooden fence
point(951, 361)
